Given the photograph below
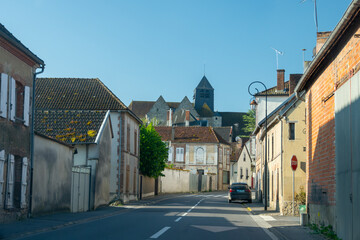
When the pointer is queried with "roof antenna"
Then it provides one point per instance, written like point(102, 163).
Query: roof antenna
point(315, 15)
point(277, 58)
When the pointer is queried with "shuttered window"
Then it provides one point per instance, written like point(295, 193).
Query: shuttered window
point(180, 154)
point(12, 99)
point(3, 95)
point(26, 105)
point(24, 182)
point(10, 182)
point(2, 164)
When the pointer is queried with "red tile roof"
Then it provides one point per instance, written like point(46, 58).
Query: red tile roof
point(192, 134)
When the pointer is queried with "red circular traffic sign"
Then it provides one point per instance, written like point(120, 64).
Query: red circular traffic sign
point(294, 162)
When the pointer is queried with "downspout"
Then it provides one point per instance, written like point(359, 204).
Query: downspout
point(32, 138)
point(282, 162)
point(120, 150)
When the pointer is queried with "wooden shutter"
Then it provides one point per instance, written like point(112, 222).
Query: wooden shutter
point(3, 95)
point(26, 105)
point(10, 182)
point(12, 99)
point(2, 161)
point(24, 182)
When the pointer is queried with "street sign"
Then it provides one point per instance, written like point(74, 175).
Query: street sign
point(294, 162)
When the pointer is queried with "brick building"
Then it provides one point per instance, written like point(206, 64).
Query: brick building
point(332, 85)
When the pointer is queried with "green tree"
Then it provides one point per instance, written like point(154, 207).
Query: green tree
point(153, 152)
point(249, 120)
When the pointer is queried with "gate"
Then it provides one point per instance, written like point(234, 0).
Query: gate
point(347, 158)
point(80, 189)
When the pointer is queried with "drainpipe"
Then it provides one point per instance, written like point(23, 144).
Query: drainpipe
point(32, 138)
point(119, 165)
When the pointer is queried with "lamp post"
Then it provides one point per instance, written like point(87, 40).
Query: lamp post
point(265, 180)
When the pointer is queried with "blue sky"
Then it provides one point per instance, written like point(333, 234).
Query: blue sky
point(144, 49)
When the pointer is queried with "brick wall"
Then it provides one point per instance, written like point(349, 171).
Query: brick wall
point(344, 63)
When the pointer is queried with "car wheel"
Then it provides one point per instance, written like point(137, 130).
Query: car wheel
point(229, 200)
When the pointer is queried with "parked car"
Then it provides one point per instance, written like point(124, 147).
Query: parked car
point(239, 191)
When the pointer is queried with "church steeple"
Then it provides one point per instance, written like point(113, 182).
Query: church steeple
point(204, 93)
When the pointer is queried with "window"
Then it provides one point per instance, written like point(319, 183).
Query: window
point(226, 177)
point(2, 163)
point(199, 155)
point(180, 154)
point(207, 94)
point(241, 173)
point(3, 95)
point(247, 174)
point(135, 142)
point(291, 131)
point(244, 157)
point(227, 157)
point(170, 154)
point(220, 155)
point(14, 100)
point(16, 182)
point(128, 138)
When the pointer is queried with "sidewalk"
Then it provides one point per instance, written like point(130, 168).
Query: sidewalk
point(284, 227)
point(54, 221)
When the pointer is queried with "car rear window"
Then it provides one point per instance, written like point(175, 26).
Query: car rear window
point(241, 187)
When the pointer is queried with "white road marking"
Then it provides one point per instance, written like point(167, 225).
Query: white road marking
point(159, 233)
point(178, 219)
point(184, 214)
point(267, 218)
point(188, 211)
point(264, 225)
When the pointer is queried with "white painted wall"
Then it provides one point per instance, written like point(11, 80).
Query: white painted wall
point(272, 103)
point(80, 157)
point(114, 116)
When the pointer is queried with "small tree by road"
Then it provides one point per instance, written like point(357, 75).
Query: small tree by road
point(249, 120)
point(153, 152)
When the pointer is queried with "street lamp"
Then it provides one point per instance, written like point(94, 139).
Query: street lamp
point(265, 164)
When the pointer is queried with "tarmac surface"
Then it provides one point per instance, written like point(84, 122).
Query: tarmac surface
point(283, 227)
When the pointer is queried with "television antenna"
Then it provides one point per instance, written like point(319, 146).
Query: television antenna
point(277, 52)
point(315, 15)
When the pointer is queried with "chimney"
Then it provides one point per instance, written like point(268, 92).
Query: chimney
point(280, 79)
point(172, 134)
point(187, 118)
point(293, 81)
point(321, 38)
point(169, 117)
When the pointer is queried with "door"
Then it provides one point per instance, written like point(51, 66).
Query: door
point(200, 174)
point(80, 189)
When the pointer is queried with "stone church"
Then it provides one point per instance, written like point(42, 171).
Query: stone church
point(200, 112)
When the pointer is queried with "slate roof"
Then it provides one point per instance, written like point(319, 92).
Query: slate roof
point(204, 84)
point(6, 34)
point(205, 111)
point(75, 94)
point(234, 119)
point(141, 108)
point(274, 92)
point(224, 132)
point(194, 134)
point(69, 126)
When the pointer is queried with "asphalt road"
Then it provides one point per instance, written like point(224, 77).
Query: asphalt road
point(203, 216)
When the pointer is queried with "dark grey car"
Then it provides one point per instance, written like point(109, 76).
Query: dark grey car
point(239, 191)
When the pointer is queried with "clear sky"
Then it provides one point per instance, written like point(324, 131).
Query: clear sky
point(142, 49)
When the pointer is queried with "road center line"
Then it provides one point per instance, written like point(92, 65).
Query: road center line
point(159, 233)
point(184, 214)
point(188, 211)
point(178, 219)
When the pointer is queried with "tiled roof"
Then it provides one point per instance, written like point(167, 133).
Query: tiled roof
point(68, 126)
point(141, 108)
point(204, 83)
point(274, 92)
point(6, 34)
point(75, 94)
point(193, 134)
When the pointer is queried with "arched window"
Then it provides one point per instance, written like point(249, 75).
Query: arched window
point(200, 155)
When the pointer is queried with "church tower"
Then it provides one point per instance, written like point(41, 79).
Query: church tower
point(204, 93)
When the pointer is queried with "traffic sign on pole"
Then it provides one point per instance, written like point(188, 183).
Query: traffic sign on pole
point(294, 163)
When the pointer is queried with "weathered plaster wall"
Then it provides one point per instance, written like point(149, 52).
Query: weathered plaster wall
point(52, 176)
point(102, 182)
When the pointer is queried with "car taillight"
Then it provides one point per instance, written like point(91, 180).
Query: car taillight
point(231, 190)
point(247, 190)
